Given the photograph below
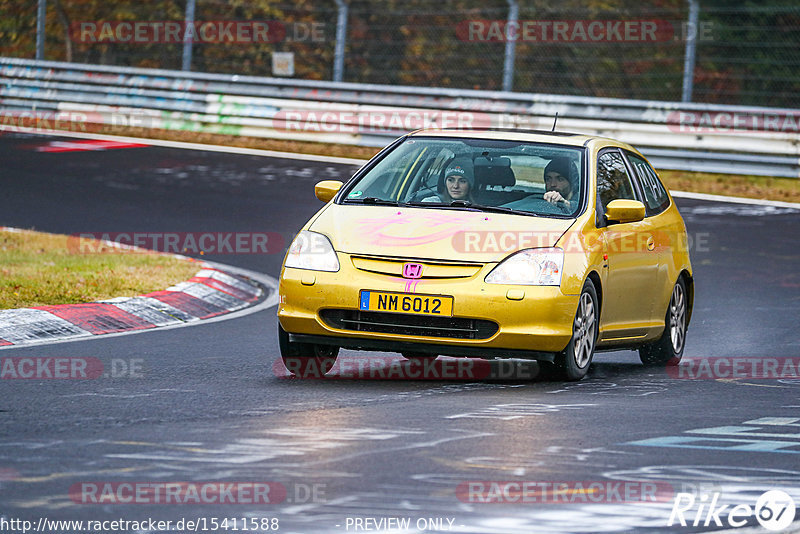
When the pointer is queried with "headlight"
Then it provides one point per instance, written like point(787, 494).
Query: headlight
point(531, 267)
point(312, 251)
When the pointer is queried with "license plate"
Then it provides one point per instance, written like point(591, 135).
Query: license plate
point(405, 303)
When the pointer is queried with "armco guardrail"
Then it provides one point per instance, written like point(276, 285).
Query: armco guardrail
point(701, 137)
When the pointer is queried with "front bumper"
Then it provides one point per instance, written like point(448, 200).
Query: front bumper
point(534, 321)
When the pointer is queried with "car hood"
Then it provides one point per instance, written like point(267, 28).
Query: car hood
point(428, 233)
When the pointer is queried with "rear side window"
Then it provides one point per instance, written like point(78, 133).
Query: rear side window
point(655, 195)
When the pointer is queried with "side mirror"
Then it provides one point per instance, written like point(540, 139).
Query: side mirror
point(327, 189)
point(624, 211)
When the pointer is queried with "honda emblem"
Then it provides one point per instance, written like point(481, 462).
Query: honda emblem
point(412, 270)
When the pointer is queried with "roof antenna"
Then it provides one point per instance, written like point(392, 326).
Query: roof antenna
point(554, 122)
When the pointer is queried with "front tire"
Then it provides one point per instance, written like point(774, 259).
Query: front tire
point(573, 363)
point(306, 360)
point(668, 350)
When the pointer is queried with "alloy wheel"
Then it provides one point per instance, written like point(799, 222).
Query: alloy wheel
point(584, 331)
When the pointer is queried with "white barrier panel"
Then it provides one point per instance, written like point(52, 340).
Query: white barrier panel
point(732, 139)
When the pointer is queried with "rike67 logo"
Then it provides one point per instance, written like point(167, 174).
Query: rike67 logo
point(774, 510)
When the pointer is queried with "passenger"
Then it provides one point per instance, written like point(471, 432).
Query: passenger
point(459, 179)
point(561, 184)
point(611, 186)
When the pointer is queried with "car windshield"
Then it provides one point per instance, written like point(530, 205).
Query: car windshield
point(504, 176)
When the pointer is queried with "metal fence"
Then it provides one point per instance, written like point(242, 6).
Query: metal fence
point(684, 136)
point(729, 53)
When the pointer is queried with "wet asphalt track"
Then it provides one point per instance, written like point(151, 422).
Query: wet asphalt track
point(209, 406)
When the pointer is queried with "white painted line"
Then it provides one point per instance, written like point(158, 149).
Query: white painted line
point(266, 280)
point(735, 200)
point(781, 421)
point(200, 146)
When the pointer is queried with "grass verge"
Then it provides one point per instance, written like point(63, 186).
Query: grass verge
point(735, 185)
point(39, 269)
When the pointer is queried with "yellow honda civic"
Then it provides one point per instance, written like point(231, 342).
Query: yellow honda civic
point(491, 244)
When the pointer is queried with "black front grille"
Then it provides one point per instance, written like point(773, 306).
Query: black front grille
point(411, 325)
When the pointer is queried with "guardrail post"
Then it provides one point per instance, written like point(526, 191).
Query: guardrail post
point(691, 46)
point(341, 36)
point(511, 45)
point(40, 16)
point(187, 36)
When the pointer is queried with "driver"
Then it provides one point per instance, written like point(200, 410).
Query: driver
point(560, 187)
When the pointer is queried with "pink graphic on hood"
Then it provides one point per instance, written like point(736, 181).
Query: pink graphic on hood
point(411, 229)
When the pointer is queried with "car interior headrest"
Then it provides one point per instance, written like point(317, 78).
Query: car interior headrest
point(494, 171)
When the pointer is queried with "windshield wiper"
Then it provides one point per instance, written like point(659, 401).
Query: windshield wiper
point(373, 200)
point(454, 204)
point(426, 204)
point(491, 209)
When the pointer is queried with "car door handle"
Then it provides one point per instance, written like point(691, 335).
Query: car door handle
point(651, 243)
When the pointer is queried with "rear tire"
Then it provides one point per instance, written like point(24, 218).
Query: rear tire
point(573, 363)
point(306, 360)
point(668, 350)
